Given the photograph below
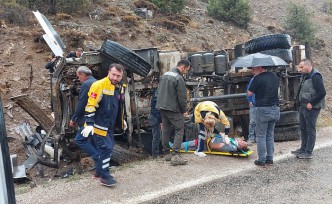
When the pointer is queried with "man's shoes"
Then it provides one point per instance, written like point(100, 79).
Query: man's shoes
point(95, 175)
point(259, 163)
point(269, 162)
point(178, 160)
point(250, 142)
point(109, 182)
point(304, 155)
point(297, 152)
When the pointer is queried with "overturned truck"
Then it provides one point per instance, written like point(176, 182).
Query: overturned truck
point(211, 78)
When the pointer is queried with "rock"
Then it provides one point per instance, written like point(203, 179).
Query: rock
point(17, 78)
point(33, 184)
point(7, 64)
point(10, 114)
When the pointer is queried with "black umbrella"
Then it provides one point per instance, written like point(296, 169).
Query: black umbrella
point(258, 60)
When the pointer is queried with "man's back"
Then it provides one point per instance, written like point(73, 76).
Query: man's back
point(78, 116)
point(172, 92)
point(265, 86)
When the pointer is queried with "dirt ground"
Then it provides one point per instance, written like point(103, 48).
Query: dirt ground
point(22, 56)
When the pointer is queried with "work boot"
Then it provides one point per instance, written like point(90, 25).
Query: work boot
point(178, 160)
point(259, 163)
point(109, 182)
point(95, 175)
point(297, 152)
point(269, 162)
point(305, 155)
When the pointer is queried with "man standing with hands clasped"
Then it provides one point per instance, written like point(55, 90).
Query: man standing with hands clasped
point(104, 111)
point(311, 100)
point(265, 87)
point(172, 103)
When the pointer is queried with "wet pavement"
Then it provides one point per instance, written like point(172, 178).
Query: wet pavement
point(287, 181)
point(214, 179)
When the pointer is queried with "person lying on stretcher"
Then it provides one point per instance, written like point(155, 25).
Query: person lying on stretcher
point(218, 143)
point(205, 115)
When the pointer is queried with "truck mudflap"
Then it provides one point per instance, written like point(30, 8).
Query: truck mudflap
point(25, 102)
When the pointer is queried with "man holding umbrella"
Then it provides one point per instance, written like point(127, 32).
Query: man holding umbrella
point(265, 87)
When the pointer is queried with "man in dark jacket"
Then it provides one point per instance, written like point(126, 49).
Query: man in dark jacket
point(172, 103)
point(84, 75)
point(265, 87)
point(311, 99)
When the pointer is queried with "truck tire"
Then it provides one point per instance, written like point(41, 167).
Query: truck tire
point(126, 57)
point(121, 155)
point(285, 54)
point(287, 133)
point(268, 42)
point(288, 118)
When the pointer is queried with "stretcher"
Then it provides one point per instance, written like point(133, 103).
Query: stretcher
point(239, 153)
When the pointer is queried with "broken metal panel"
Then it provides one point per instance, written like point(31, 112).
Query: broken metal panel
point(168, 60)
point(91, 58)
point(34, 111)
point(18, 170)
point(30, 162)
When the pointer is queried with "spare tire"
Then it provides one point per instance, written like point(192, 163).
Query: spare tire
point(268, 42)
point(285, 54)
point(126, 57)
point(288, 118)
point(287, 133)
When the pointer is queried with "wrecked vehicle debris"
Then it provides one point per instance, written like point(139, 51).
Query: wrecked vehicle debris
point(211, 78)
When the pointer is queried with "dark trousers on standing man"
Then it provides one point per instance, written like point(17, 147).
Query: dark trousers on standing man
point(104, 145)
point(168, 119)
point(308, 119)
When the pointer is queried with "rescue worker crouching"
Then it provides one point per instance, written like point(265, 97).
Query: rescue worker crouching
point(206, 114)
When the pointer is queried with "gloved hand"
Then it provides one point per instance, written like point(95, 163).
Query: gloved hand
point(87, 130)
point(226, 139)
point(125, 126)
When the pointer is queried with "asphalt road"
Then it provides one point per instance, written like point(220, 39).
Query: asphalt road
point(211, 179)
point(287, 181)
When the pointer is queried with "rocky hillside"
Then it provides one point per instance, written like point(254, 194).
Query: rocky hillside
point(23, 55)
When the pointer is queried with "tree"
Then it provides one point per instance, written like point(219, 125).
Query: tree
point(234, 11)
point(298, 23)
point(169, 7)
